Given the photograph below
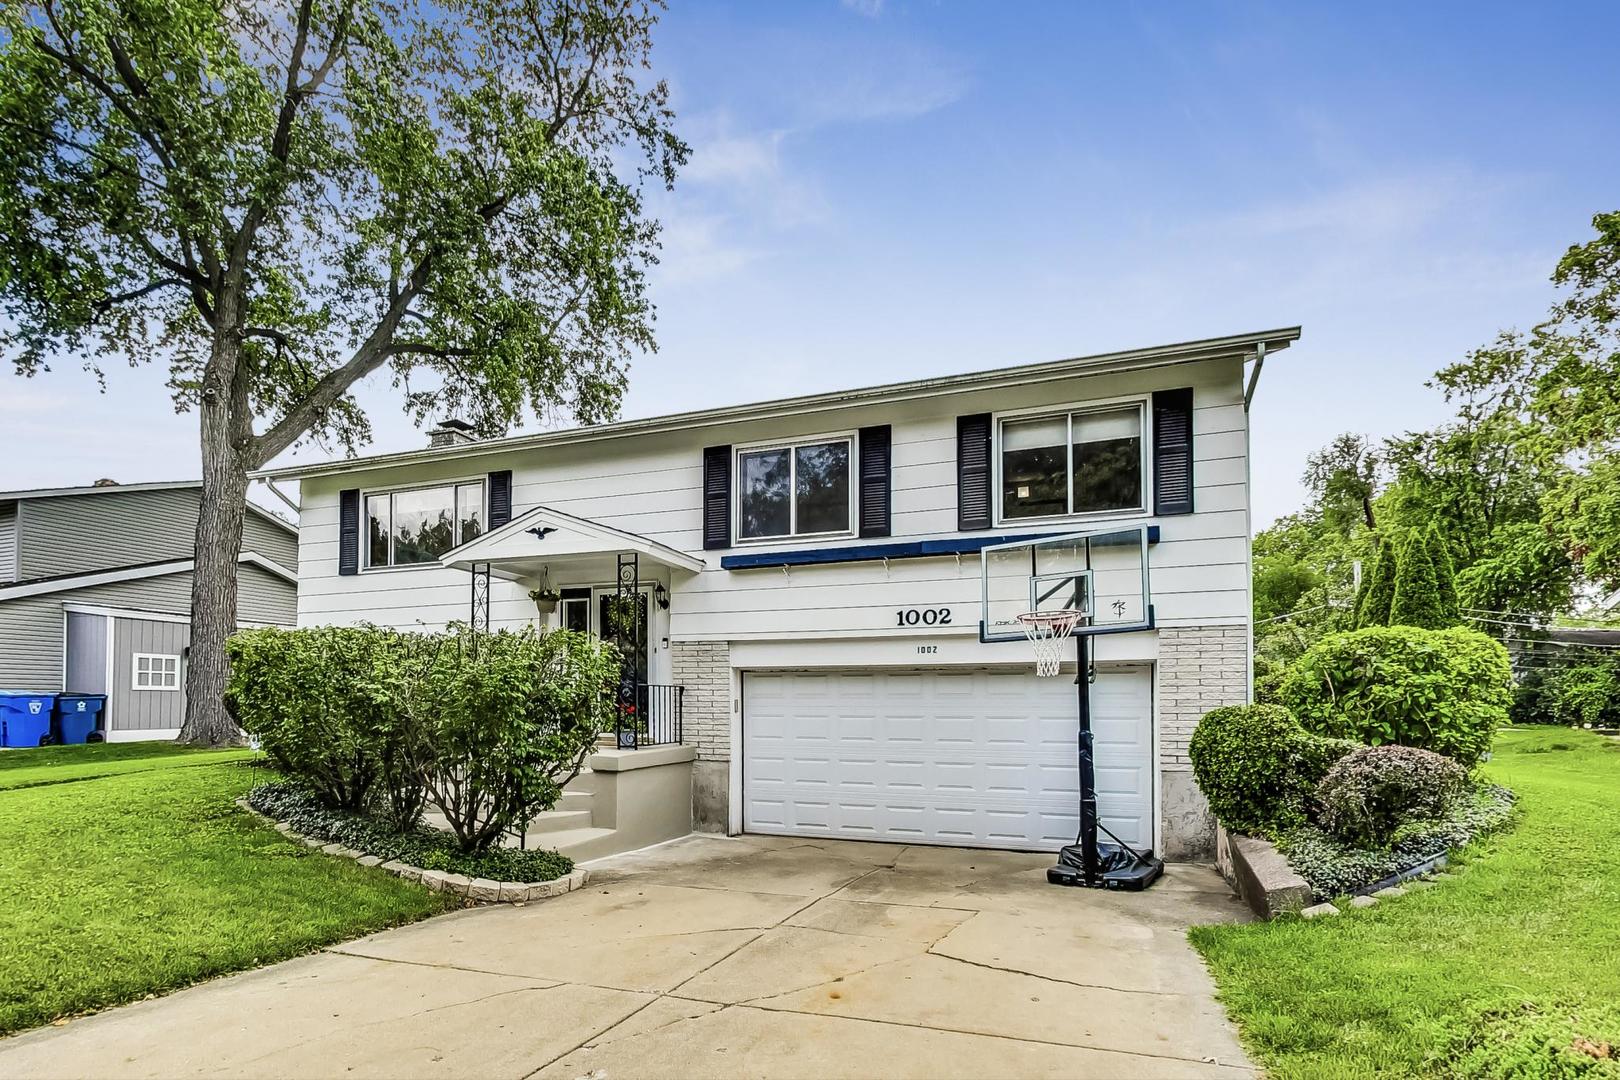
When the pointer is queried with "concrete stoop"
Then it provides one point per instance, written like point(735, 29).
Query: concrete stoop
point(621, 801)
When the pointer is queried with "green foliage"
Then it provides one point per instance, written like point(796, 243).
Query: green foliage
point(1379, 593)
point(312, 699)
point(1520, 569)
point(1445, 574)
point(487, 729)
point(1441, 690)
point(1579, 694)
point(1374, 790)
point(1257, 766)
point(1532, 1040)
point(502, 721)
point(421, 846)
point(1334, 868)
point(1416, 599)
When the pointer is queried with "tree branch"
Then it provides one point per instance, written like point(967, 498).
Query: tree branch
point(135, 294)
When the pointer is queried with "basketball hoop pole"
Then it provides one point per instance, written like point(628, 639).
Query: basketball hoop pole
point(1088, 763)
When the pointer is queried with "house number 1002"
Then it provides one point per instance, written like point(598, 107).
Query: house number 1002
point(928, 616)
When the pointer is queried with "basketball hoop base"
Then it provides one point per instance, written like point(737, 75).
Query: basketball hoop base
point(1118, 868)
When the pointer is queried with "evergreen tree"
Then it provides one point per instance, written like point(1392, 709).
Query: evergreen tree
point(1379, 590)
point(1417, 591)
point(1445, 575)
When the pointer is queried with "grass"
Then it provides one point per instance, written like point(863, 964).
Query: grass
point(131, 884)
point(60, 764)
point(1508, 970)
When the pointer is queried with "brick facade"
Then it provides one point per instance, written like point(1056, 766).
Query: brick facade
point(704, 668)
point(1200, 668)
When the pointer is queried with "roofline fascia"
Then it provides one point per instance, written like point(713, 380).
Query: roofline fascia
point(1241, 345)
point(117, 575)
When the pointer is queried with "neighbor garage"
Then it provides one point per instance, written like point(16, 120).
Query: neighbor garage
point(975, 757)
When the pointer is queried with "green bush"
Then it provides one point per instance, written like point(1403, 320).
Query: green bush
point(1372, 608)
point(1445, 574)
point(1258, 767)
point(1417, 586)
point(1375, 790)
point(310, 698)
point(501, 722)
point(1441, 690)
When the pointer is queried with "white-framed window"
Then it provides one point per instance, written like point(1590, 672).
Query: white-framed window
point(800, 488)
point(155, 671)
point(1076, 462)
point(410, 526)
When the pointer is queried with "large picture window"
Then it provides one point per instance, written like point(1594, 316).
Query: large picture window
point(1074, 463)
point(802, 489)
point(406, 528)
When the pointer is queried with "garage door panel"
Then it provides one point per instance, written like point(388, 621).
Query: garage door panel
point(973, 758)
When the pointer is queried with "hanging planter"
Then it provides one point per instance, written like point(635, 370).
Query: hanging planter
point(545, 597)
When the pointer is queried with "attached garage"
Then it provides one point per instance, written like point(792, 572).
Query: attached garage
point(972, 757)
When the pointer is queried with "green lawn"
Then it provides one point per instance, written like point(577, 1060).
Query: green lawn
point(58, 764)
point(124, 885)
point(1511, 969)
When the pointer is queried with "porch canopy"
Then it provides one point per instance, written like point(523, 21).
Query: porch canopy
point(549, 543)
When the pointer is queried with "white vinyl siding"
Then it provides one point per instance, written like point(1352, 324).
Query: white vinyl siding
point(652, 485)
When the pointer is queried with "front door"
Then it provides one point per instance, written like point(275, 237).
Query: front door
point(613, 619)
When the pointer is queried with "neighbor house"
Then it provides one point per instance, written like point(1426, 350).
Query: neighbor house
point(95, 594)
point(799, 586)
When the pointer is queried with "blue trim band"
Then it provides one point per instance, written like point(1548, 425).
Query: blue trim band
point(916, 549)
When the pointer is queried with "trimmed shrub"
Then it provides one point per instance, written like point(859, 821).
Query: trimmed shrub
point(1445, 575)
point(310, 698)
point(1372, 609)
point(1258, 767)
point(1417, 587)
point(1441, 690)
point(1375, 790)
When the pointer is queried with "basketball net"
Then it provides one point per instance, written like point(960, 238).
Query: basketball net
point(1047, 631)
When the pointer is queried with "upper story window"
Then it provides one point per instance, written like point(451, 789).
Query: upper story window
point(418, 525)
point(1082, 462)
point(797, 489)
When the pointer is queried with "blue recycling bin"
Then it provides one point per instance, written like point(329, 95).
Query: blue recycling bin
point(77, 715)
point(25, 718)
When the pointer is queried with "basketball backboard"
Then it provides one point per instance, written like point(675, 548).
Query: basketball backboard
point(1102, 574)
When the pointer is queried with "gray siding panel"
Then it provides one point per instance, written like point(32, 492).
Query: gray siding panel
point(270, 540)
point(68, 534)
point(146, 710)
point(31, 628)
point(8, 541)
point(86, 653)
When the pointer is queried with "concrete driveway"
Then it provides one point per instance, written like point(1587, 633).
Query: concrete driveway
point(716, 957)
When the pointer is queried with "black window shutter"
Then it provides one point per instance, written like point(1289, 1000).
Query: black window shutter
point(716, 497)
point(875, 481)
point(1173, 451)
point(973, 471)
point(500, 498)
point(349, 531)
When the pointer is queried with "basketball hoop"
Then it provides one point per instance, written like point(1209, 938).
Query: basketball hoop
point(1047, 631)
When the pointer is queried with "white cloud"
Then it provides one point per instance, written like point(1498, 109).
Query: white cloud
point(871, 9)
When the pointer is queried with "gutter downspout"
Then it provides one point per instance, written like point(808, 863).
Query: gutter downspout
point(278, 493)
point(1254, 376)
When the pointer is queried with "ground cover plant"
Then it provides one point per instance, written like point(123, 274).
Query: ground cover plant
point(1505, 970)
point(421, 845)
point(126, 885)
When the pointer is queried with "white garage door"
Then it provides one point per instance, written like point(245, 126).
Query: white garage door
point(977, 758)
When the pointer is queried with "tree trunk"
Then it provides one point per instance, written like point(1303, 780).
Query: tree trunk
point(218, 545)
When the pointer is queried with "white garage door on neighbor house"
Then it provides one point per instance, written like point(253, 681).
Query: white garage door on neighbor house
point(971, 757)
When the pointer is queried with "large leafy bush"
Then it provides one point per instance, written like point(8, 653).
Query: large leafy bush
point(485, 728)
point(1375, 790)
point(1258, 767)
point(1578, 694)
point(312, 699)
point(502, 721)
point(1441, 690)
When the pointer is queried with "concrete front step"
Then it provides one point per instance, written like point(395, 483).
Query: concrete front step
point(574, 800)
point(577, 844)
point(553, 821)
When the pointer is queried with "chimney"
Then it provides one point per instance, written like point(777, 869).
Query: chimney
point(450, 432)
point(105, 482)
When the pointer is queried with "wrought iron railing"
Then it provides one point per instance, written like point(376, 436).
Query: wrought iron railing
point(654, 720)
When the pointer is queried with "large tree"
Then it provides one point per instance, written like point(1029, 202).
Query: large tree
point(277, 199)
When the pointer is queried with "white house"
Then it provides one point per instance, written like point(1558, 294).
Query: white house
point(811, 593)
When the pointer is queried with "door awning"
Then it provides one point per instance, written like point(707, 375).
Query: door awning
point(544, 540)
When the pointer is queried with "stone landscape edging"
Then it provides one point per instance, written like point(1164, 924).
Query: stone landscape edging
point(478, 890)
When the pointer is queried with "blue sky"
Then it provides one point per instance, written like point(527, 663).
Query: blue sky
point(886, 189)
